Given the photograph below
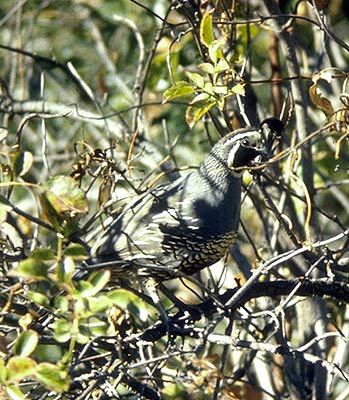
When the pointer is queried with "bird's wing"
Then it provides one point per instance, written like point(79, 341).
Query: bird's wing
point(138, 232)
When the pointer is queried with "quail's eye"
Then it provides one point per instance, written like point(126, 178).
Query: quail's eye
point(245, 142)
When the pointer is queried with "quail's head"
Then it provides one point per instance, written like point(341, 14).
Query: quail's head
point(242, 147)
point(239, 148)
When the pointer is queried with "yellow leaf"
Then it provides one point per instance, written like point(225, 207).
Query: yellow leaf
point(61, 199)
point(319, 101)
point(179, 89)
point(316, 94)
point(206, 29)
point(195, 113)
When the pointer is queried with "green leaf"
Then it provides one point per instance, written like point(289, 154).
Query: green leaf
point(49, 214)
point(25, 320)
point(71, 228)
point(221, 66)
point(83, 338)
point(122, 298)
point(96, 282)
point(48, 353)
point(195, 113)
point(19, 368)
point(43, 254)
point(238, 89)
point(207, 67)
point(14, 393)
point(179, 89)
point(68, 269)
point(76, 251)
point(52, 377)
point(62, 198)
point(197, 79)
point(26, 343)
point(38, 298)
point(221, 90)
point(175, 391)
point(99, 279)
point(31, 268)
point(99, 304)
point(61, 304)
point(206, 29)
point(3, 372)
point(200, 97)
point(209, 88)
point(83, 289)
point(62, 330)
point(97, 327)
point(215, 50)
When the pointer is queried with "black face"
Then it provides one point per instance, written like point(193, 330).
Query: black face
point(245, 144)
point(244, 156)
point(243, 147)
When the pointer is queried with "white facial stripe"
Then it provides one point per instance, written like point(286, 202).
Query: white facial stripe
point(230, 163)
point(231, 157)
point(242, 135)
point(234, 144)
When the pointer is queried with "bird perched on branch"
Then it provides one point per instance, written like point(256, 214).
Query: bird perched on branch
point(189, 224)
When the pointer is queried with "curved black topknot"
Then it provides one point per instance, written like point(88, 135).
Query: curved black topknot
point(275, 125)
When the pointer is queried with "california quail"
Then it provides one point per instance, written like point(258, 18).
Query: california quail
point(186, 225)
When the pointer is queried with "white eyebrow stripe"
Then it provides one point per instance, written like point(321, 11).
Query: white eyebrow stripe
point(243, 135)
point(247, 133)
